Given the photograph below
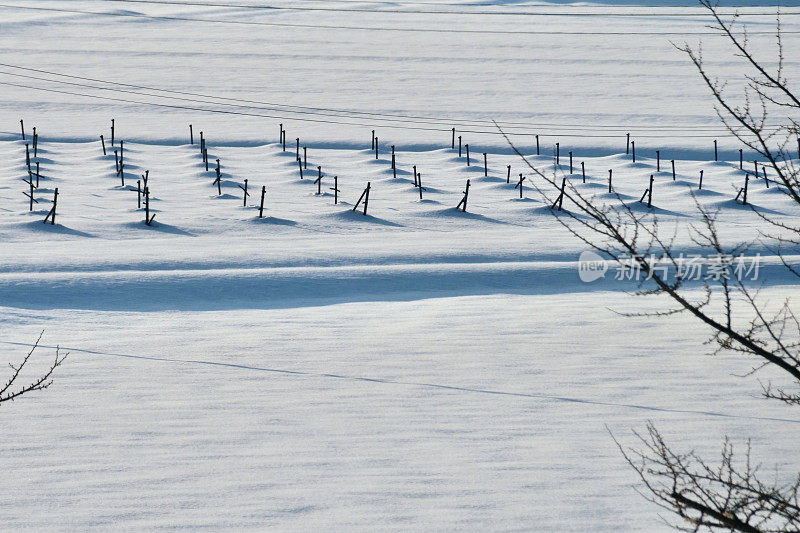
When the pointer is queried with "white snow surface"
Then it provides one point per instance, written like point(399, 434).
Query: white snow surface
point(418, 368)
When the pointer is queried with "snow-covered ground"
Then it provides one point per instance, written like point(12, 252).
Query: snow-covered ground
point(417, 368)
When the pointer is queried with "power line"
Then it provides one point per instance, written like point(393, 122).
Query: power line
point(301, 119)
point(268, 7)
point(351, 114)
point(379, 28)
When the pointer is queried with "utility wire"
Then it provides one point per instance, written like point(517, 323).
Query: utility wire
point(647, 14)
point(325, 121)
point(381, 28)
point(361, 115)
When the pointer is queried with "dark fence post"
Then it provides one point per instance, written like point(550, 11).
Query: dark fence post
point(485, 166)
point(463, 203)
point(519, 184)
point(365, 197)
point(103, 141)
point(245, 195)
point(335, 190)
point(191, 135)
point(261, 204)
point(52, 213)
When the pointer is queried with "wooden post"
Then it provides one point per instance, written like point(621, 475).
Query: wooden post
point(218, 181)
point(116, 161)
point(335, 190)
point(37, 175)
point(297, 148)
point(740, 159)
point(191, 135)
point(467, 147)
point(376, 148)
point(22, 127)
point(318, 181)
point(485, 166)
point(519, 185)
point(508, 175)
point(419, 181)
point(30, 195)
point(300, 166)
point(280, 133)
point(658, 160)
point(112, 132)
point(701, 180)
point(463, 203)
point(633, 150)
point(138, 194)
point(558, 153)
point(245, 195)
point(28, 156)
point(570, 162)
point(459, 146)
point(650, 192)
point(121, 153)
point(715, 150)
point(766, 179)
point(305, 157)
point(609, 179)
point(51, 215)
point(393, 168)
point(202, 143)
point(35, 143)
point(453, 146)
point(415, 175)
point(261, 205)
point(746, 181)
point(583, 172)
point(673, 169)
point(145, 177)
point(372, 146)
point(103, 141)
point(205, 158)
point(147, 218)
point(561, 196)
point(755, 167)
point(283, 140)
point(537, 144)
point(122, 173)
point(365, 197)
point(627, 143)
